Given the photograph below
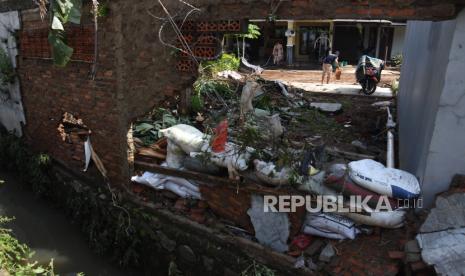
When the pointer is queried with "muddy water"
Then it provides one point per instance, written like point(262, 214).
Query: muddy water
point(48, 232)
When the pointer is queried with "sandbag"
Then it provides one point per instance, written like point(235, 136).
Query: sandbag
point(232, 157)
point(175, 155)
point(388, 219)
point(180, 186)
point(267, 173)
point(385, 181)
point(343, 184)
point(187, 137)
point(331, 226)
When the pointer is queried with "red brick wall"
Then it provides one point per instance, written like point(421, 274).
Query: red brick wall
point(48, 92)
point(136, 72)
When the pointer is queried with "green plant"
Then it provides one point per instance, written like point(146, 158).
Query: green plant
point(225, 62)
point(148, 129)
point(7, 71)
point(63, 11)
point(256, 269)
point(397, 60)
point(395, 86)
point(15, 256)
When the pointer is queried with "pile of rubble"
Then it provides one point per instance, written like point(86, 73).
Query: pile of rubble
point(265, 138)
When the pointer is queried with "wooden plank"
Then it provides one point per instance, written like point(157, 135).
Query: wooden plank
point(200, 177)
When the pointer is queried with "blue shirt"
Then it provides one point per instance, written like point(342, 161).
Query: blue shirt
point(330, 59)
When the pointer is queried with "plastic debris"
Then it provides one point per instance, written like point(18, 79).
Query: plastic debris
point(327, 253)
point(385, 181)
point(230, 74)
point(327, 107)
point(271, 229)
point(187, 137)
point(180, 186)
point(248, 93)
point(330, 226)
point(267, 173)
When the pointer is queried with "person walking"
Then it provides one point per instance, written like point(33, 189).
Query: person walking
point(278, 53)
point(328, 62)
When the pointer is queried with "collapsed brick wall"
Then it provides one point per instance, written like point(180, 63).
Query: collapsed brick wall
point(136, 72)
point(49, 92)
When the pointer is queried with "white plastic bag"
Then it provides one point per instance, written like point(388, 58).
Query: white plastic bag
point(187, 137)
point(385, 181)
point(385, 219)
point(231, 157)
point(330, 226)
point(248, 93)
point(174, 155)
point(267, 173)
point(180, 186)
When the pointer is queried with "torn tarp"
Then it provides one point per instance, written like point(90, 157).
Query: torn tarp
point(271, 229)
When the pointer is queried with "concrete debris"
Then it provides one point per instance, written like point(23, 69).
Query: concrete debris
point(442, 235)
point(327, 253)
point(271, 229)
point(327, 107)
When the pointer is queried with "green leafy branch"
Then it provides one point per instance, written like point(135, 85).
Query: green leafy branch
point(63, 11)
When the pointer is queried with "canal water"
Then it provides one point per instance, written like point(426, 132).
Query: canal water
point(47, 231)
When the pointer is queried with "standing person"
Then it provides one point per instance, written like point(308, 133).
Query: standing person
point(328, 66)
point(278, 53)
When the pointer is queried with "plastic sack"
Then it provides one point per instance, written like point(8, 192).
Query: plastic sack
point(174, 156)
point(180, 186)
point(385, 181)
point(232, 157)
point(267, 173)
point(248, 93)
point(342, 183)
point(187, 137)
point(330, 226)
point(388, 219)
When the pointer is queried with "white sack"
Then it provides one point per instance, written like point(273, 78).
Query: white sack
point(231, 157)
point(175, 155)
point(385, 181)
point(187, 137)
point(267, 173)
point(330, 226)
point(180, 186)
point(248, 93)
point(388, 219)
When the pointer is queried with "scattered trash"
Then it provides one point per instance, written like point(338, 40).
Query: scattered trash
point(248, 93)
point(180, 186)
point(382, 104)
point(230, 74)
point(256, 69)
point(271, 229)
point(175, 155)
point(385, 181)
point(327, 253)
point(301, 241)
point(330, 226)
point(267, 173)
point(327, 107)
point(187, 137)
point(385, 219)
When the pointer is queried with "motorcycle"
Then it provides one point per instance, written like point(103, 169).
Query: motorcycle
point(368, 73)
